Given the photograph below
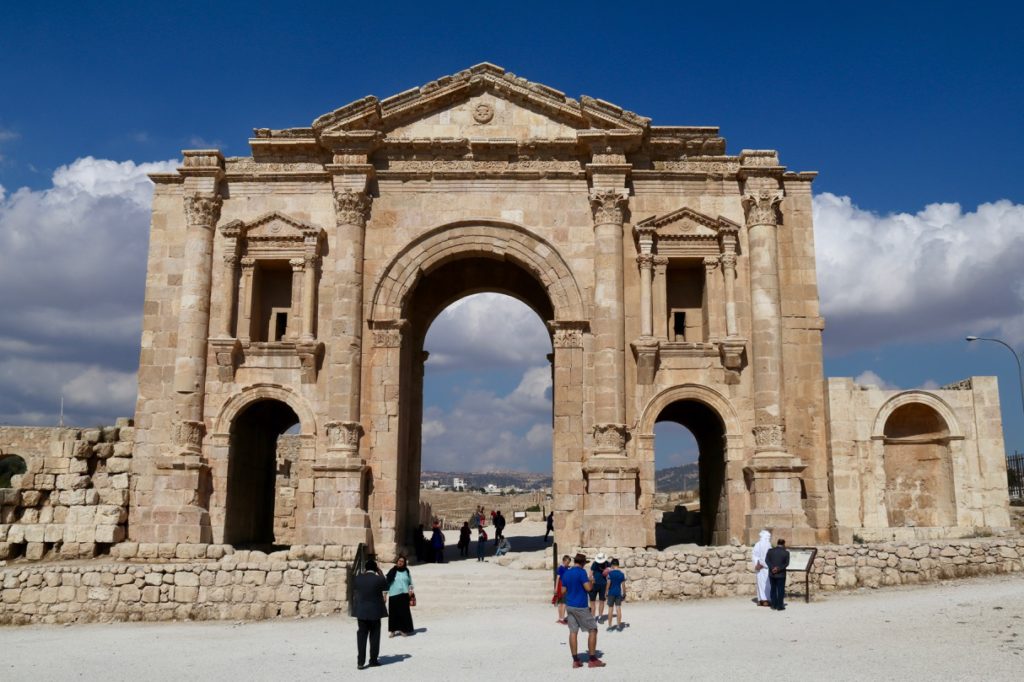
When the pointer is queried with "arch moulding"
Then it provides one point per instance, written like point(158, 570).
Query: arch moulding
point(493, 239)
point(708, 396)
point(257, 392)
point(916, 396)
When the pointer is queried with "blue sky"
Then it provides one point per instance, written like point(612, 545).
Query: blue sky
point(900, 107)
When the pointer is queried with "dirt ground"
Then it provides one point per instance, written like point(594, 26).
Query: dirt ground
point(957, 630)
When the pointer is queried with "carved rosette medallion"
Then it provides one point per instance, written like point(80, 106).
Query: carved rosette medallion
point(203, 210)
point(188, 435)
point(761, 207)
point(610, 438)
point(609, 206)
point(769, 437)
point(483, 112)
point(351, 208)
point(344, 437)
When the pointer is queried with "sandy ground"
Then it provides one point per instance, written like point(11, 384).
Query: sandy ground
point(959, 630)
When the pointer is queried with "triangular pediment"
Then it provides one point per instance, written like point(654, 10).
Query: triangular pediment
point(685, 223)
point(484, 101)
point(272, 226)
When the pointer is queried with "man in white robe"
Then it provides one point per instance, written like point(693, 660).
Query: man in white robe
point(760, 567)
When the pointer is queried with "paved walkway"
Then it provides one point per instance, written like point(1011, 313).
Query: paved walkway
point(959, 630)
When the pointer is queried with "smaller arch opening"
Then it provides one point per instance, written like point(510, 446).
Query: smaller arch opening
point(703, 519)
point(263, 454)
point(11, 466)
point(918, 468)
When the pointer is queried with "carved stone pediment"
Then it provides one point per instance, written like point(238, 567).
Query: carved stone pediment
point(274, 226)
point(484, 99)
point(686, 232)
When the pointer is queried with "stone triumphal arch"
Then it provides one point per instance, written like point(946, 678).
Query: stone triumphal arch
point(291, 290)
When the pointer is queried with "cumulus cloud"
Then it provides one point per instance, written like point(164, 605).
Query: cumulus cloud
point(486, 330)
point(870, 378)
point(935, 274)
point(72, 273)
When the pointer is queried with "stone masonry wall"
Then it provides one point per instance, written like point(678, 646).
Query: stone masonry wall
point(72, 500)
point(726, 571)
point(239, 586)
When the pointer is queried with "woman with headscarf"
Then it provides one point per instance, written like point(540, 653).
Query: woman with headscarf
point(400, 594)
point(758, 555)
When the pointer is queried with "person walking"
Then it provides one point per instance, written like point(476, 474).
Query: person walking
point(437, 543)
point(597, 594)
point(616, 594)
point(400, 598)
point(578, 614)
point(550, 528)
point(777, 561)
point(464, 539)
point(368, 608)
point(499, 526)
point(481, 544)
point(758, 555)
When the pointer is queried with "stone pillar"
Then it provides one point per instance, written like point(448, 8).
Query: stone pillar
point(646, 263)
point(201, 214)
point(775, 486)
point(608, 326)
point(228, 309)
point(298, 266)
point(728, 261)
point(712, 299)
point(660, 297)
point(309, 297)
point(245, 294)
point(567, 439)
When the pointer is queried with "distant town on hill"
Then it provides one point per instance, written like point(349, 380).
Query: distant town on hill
point(674, 478)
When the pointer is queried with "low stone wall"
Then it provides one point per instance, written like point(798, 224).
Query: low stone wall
point(726, 571)
point(238, 586)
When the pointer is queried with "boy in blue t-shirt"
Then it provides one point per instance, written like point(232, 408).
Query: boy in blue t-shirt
point(616, 593)
point(577, 584)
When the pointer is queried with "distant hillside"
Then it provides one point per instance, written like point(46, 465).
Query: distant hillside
point(674, 478)
point(677, 478)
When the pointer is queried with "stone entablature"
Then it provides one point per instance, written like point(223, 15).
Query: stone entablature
point(678, 282)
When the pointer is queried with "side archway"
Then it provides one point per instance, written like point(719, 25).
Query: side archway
point(257, 392)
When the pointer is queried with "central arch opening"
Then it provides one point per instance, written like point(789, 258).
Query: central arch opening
point(479, 412)
point(260, 509)
point(698, 515)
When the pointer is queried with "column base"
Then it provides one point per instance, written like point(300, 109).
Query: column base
point(612, 529)
point(776, 499)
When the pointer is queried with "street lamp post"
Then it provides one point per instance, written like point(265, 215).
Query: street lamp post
point(1016, 356)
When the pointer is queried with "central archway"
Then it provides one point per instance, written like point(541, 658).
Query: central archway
point(442, 266)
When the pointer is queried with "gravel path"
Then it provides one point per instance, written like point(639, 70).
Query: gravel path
point(958, 630)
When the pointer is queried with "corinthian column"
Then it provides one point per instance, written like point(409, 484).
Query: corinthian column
point(609, 208)
point(766, 316)
point(309, 297)
point(775, 474)
point(202, 211)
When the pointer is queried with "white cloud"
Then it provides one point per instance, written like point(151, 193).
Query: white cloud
point(935, 274)
point(432, 428)
point(486, 330)
point(72, 273)
point(869, 378)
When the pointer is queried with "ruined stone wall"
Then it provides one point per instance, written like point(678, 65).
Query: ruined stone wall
point(72, 500)
point(726, 571)
point(289, 449)
point(873, 430)
point(237, 586)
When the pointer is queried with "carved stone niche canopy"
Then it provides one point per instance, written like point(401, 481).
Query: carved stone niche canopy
point(685, 233)
point(280, 241)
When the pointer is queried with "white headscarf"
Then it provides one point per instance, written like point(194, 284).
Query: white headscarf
point(761, 548)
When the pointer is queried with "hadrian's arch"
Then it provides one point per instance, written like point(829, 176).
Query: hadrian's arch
point(920, 441)
point(713, 421)
point(444, 265)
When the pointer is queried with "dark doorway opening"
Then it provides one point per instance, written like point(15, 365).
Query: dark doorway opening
point(704, 521)
point(253, 467)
